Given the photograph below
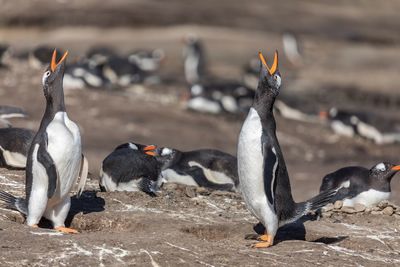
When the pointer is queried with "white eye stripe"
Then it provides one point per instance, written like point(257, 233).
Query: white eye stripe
point(45, 76)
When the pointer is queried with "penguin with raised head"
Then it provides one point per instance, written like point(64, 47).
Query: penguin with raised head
point(264, 180)
point(14, 147)
point(55, 159)
point(209, 168)
point(361, 185)
point(133, 167)
point(8, 112)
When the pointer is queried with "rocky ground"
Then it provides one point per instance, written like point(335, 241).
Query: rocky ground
point(350, 52)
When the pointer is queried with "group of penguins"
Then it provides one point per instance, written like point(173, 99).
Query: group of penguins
point(53, 161)
point(104, 68)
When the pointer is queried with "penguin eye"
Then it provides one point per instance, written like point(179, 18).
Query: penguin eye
point(47, 73)
point(45, 76)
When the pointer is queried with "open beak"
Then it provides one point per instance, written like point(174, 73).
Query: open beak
point(274, 66)
point(149, 150)
point(396, 168)
point(53, 63)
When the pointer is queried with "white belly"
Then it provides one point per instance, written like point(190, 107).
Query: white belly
point(64, 146)
point(213, 176)
point(170, 176)
point(367, 198)
point(251, 167)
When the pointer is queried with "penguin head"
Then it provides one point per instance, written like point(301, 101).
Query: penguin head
point(53, 77)
point(384, 170)
point(166, 156)
point(270, 77)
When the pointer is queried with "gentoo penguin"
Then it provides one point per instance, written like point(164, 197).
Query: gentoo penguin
point(4, 49)
point(40, 56)
point(7, 112)
point(147, 60)
point(55, 158)
point(119, 71)
point(367, 125)
point(83, 74)
point(133, 167)
point(208, 168)
point(264, 180)
point(194, 59)
point(214, 96)
point(14, 146)
point(360, 185)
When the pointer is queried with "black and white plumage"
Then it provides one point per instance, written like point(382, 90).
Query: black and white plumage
point(55, 159)
point(207, 168)
point(14, 146)
point(120, 71)
point(367, 125)
point(8, 112)
point(133, 167)
point(216, 96)
point(361, 185)
point(84, 74)
point(147, 60)
point(264, 180)
point(4, 50)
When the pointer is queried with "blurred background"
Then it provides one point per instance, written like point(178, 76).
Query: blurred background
point(336, 57)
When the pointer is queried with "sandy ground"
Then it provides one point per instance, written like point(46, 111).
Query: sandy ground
point(348, 47)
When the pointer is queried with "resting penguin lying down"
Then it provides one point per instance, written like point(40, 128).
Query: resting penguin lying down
point(360, 185)
point(14, 146)
point(208, 168)
point(133, 167)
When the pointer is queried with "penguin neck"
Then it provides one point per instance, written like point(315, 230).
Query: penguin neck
point(55, 103)
point(264, 104)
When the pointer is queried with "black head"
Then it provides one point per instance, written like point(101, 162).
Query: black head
point(166, 156)
point(270, 78)
point(384, 171)
point(52, 79)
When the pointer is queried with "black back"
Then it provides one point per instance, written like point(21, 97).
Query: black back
point(16, 139)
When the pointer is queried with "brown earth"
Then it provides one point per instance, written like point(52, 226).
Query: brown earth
point(346, 46)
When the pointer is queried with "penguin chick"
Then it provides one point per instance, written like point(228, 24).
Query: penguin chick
point(132, 167)
point(264, 180)
point(14, 146)
point(54, 159)
point(360, 185)
point(208, 168)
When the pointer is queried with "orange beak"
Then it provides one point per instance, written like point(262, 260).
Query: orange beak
point(53, 64)
point(274, 67)
point(396, 168)
point(323, 114)
point(149, 150)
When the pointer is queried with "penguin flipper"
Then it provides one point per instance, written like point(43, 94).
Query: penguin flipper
point(200, 178)
point(148, 186)
point(83, 174)
point(46, 160)
point(270, 168)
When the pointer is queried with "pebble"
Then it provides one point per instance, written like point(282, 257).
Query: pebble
point(349, 210)
point(190, 192)
point(328, 207)
point(383, 204)
point(359, 207)
point(338, 204)
point(388, 210)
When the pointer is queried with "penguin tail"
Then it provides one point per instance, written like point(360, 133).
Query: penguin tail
point(14, 203)
point(319, 200)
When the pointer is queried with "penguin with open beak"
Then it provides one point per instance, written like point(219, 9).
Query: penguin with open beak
point(361, 185)
point(55, 159)
point(264, 180)
point(133, 167)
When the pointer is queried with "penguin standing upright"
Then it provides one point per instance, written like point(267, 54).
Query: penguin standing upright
point(55, 159)
point(14, 146)
point(264, 180)
point(361, 185)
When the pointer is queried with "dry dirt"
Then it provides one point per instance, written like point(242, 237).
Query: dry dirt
point(347, 47)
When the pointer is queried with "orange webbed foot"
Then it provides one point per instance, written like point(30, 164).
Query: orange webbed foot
point(65, 230)
point(266, 241)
